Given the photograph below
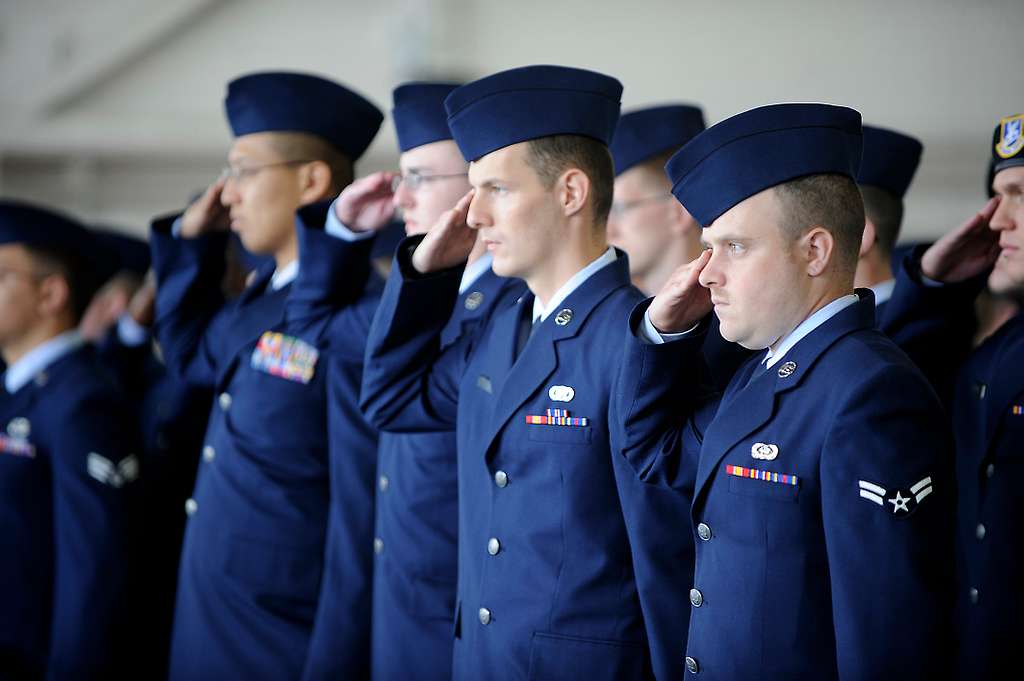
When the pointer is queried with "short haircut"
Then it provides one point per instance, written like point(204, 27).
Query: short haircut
point(830, 201)
point(74, 269)
point(655, 166)
point(551, 156)
point(304, 146)
point(885, 211)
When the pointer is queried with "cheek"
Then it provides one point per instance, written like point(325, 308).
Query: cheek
point(431, 207)
point(273, 198)
point(750, 285)
point(631, 231)
point(1009, 272)
point(14, 308)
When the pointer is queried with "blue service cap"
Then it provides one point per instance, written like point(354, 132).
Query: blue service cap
point(760, 148)
point(298, 102)
point(419, 114)
point(889, 160)
point(645, 133)
point(531, 102)
point(35, 226)
point(1008, 144)
point(125, 252)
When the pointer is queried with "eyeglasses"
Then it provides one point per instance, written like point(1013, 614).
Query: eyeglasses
point(240, 173)
point(10, 272)
point(414, 180)
point(621, 208)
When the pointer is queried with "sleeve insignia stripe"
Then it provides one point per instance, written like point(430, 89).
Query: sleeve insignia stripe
point(872, 492)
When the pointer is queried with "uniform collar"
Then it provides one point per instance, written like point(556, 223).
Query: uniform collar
point(577, 280)
point(807, 326)
point(474, 270)
point(283, 276)
point(39, 358)
point(883, 291)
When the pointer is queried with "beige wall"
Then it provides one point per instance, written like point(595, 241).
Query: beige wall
point(112, 109)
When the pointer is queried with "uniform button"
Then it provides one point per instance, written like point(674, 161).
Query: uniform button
point(974, 596)
point(191, 507)
point(378, 545)
point(209, 453)
point(704, 532)
point(383, 483)
point(224, 400)
point(485, 616)
point(979, 531)
point(691, 665)
point(501, 479)
point(696, 598)
point(493, 546)
point(990, 470)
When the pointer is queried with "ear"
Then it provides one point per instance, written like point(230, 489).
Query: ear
point(573, 191)
point(315, 180)
point(869, 238)
point(681, 220)
point(818, 247)
point(54, 295)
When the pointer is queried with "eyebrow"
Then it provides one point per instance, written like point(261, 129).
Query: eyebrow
point(236, 156)
point(724, 238)
point(1011, 186)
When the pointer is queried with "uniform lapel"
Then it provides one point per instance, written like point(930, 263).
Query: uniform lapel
point(539, 359)
point(258, 309)
point(472, 304)
point(259, 283)
point(1005, 376)
point(745, 410)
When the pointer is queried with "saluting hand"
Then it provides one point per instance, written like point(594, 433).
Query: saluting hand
point(449, 241)
point(682, 301)
point(368, 203)
point(142, 306)
point(206, 214)
point(965, 252)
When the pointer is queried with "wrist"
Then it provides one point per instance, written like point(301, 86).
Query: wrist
point(416, 259)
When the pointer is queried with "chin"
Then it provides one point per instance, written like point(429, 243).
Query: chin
point(739, 336)
point(501, 267)
point(254, 246)
point(725, 330)
point(1002, 283)
point(414, 229)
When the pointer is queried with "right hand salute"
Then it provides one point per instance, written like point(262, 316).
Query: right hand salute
point(368, 203)
point(682, 301)
point(965, 252)
point(449, 242)
point(207, 213)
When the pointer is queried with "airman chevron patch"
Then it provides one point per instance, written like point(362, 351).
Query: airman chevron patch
point(902, 504)
point(106, 471)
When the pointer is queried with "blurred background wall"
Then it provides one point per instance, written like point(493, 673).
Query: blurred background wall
point(112, 109)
